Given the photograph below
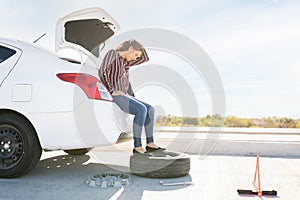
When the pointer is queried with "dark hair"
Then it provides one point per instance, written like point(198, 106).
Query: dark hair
point(130, 43)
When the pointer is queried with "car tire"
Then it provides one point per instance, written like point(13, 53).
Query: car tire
point(77, 152)
point(160, 164)
point(20, 149)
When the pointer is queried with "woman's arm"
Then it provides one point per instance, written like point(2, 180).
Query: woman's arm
point(144, 58)
point(130, 90)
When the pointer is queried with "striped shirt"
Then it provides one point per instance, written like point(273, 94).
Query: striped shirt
point(114, 70)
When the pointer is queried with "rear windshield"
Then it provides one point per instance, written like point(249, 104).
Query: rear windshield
point(5, 53)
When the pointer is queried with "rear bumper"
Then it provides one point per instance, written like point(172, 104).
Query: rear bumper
point(92, 123)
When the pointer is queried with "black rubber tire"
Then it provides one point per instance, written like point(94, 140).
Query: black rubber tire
point(20, 149)
point(161, 164)
point(78, 152)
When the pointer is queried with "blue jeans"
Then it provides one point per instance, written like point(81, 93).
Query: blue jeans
point(143, 117)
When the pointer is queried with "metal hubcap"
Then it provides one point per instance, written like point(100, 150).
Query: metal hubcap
point(11, 146)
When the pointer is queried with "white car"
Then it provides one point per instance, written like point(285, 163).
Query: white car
point(52, 103)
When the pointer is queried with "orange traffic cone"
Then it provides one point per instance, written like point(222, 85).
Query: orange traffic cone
point(256, 185)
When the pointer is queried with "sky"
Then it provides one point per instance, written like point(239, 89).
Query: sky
point(254, 45)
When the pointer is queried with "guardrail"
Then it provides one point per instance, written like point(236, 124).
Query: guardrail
point(227, 130)
point(232, 141)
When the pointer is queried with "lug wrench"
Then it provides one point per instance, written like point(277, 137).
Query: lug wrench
point(175, 184)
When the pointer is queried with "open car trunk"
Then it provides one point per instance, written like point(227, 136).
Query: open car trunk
point(85, 30)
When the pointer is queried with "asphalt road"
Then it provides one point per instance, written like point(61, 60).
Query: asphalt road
point(217, 175)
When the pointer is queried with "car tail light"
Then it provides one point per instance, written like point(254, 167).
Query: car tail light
point(92, 86)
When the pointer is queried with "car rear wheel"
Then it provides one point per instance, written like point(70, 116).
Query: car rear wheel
point(78, 151)
point(160, 164)
point(20, 149)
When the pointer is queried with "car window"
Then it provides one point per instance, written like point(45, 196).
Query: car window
point(5, 53)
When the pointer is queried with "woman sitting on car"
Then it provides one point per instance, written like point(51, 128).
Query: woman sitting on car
point(114, 73)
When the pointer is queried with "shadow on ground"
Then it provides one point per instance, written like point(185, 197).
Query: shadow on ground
point(64, 176)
